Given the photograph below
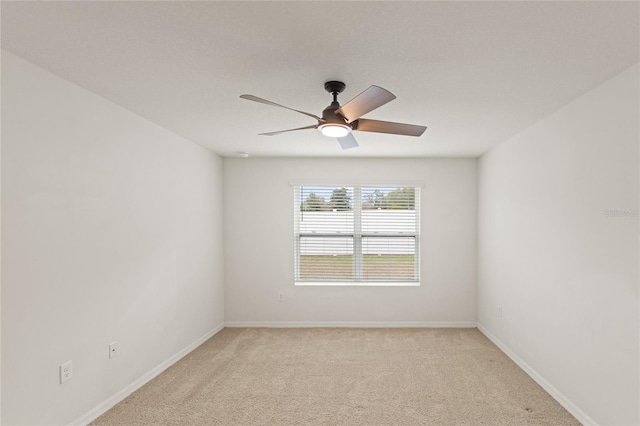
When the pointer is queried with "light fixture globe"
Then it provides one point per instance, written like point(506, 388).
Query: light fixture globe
point(334, 130)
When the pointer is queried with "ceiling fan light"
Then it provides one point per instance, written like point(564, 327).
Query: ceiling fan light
point(334, 130)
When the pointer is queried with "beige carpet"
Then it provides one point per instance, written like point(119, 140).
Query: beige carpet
point(338, 376)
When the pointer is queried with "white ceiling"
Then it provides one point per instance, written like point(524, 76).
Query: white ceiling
point(475, 73)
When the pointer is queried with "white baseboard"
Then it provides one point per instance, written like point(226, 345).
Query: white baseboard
point(353, 324)
point(103, 407)
point(551, 390)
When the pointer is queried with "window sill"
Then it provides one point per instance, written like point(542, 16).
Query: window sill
point(356, 284)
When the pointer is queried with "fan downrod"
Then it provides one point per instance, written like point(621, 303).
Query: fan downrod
point(334, 87)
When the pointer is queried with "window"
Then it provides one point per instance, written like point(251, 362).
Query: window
point(357, 235)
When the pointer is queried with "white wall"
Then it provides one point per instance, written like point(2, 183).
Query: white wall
point(259, 256)
point(565, 274)
point(111, 231)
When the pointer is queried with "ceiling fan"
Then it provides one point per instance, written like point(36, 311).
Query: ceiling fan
point(339, 121)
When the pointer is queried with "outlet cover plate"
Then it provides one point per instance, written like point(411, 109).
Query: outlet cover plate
point(66, 371)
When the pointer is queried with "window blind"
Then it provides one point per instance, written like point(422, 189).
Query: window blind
point(356, 234)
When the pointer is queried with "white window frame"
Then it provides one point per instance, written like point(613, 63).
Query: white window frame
point(357, 236)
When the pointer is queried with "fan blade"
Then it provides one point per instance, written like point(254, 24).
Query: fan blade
point(365, 102)
point(378, 126)
point(348, 141)
point(264, 101)
point(315, 126)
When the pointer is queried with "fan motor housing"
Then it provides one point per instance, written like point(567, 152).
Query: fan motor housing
point(330, 116)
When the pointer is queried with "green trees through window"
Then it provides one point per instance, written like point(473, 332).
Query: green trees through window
point(372, 199)
point(315, 201)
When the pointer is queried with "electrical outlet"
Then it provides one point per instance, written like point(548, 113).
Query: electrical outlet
point(281, 296)
point(66, 372)
point(113, 350)
point(500, 312)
